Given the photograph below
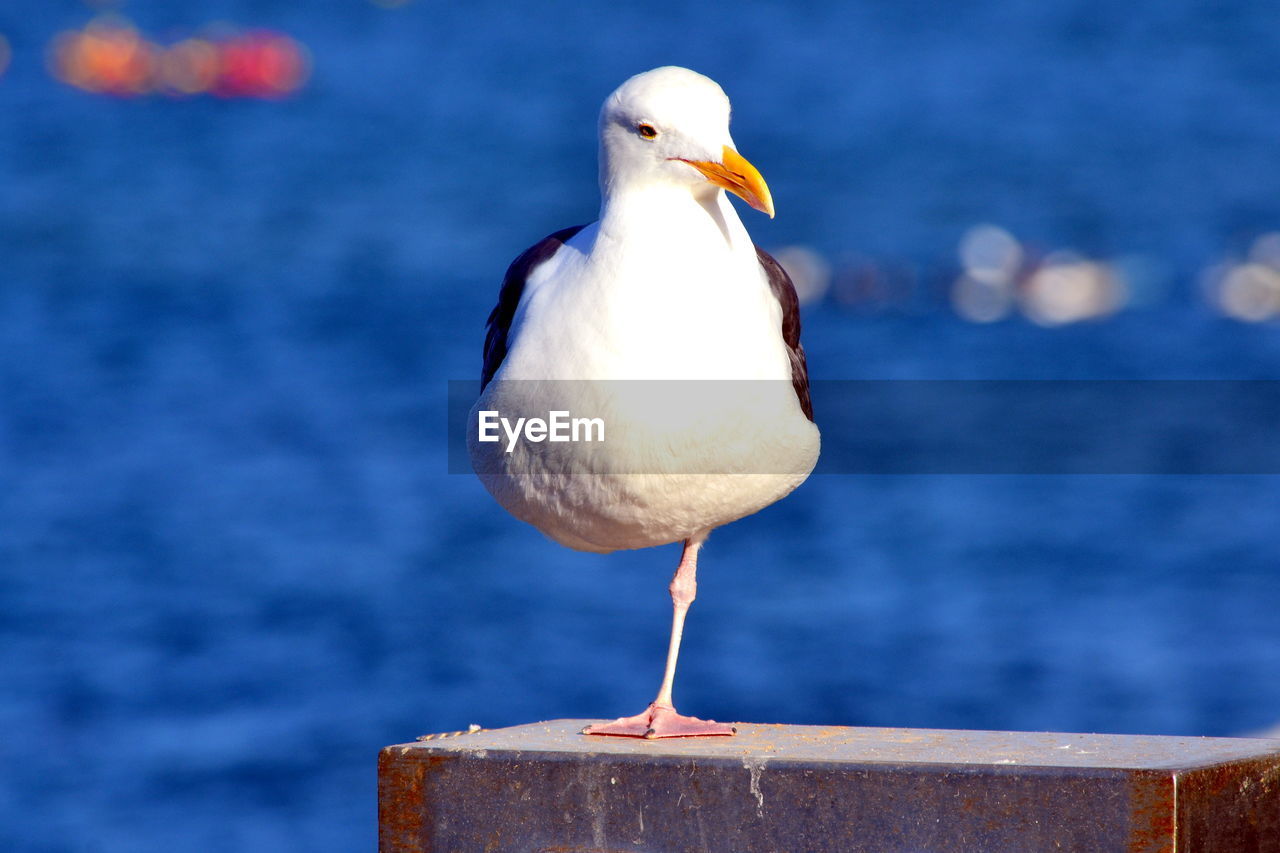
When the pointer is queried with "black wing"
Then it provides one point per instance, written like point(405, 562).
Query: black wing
point(499, 323)
point(785, 292)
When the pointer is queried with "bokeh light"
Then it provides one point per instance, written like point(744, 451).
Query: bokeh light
point(990, 253)
point(190, 67)
point(809, 271)
point(260, 65)
point(1249, 290)
point(991, 259)
point(1266, 250)
point(110, 56)
point(1000, 276)
point(107, 57)
point(980, 301)
point(1069, 288)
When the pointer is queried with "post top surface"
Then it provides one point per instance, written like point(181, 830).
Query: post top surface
point(774, 742)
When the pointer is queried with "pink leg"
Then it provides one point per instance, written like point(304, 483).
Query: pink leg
point(660, 718)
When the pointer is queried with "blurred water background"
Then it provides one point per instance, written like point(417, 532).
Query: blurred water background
point(232, 565)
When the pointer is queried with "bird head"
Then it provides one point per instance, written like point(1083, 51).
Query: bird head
point(671, 126)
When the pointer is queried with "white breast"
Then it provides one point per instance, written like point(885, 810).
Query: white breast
point(617, 323)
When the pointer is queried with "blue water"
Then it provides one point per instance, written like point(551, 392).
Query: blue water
point(232, 566)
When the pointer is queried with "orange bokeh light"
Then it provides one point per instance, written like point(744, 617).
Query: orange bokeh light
point(108, 57)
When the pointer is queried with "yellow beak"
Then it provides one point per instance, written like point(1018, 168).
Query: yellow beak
point(739, 177)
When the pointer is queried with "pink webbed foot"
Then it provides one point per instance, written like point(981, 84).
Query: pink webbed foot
point(660, 721)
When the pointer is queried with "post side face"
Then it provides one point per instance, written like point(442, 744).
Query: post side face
point(777, 789)
point(402, 803)
point(1230, 808)
point(512, 803)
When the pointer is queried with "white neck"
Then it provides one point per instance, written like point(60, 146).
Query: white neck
point(671, 214)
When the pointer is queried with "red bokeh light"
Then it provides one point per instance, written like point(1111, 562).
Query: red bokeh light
point(260, 65)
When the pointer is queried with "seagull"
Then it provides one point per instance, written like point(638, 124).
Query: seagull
point(613, 319)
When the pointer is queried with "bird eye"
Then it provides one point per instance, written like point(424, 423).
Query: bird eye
point(647, 131)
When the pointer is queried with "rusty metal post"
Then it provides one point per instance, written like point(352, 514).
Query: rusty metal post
point(545, 788)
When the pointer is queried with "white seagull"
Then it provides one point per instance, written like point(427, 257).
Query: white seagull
point(666, 285)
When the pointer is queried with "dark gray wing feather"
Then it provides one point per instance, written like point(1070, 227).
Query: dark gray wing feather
point(785, 292)
point(499, 323)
